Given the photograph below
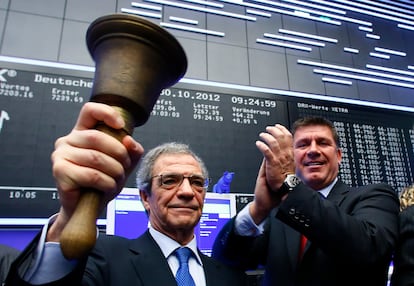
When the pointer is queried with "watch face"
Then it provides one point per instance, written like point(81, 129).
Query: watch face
point(292, 180)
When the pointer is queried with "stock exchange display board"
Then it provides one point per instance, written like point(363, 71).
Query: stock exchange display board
point(40, 104)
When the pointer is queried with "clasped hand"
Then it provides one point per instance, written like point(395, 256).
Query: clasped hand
point(88, 158)
point(276, 145)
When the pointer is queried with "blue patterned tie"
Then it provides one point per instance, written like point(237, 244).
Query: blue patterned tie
point(183, 275)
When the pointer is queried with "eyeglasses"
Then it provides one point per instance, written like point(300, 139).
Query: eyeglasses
point(174, 180)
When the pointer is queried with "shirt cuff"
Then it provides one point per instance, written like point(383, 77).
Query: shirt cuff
point(49, 263)
point(244, 224)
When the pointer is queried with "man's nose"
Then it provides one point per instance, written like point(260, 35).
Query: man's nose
point(313, 148)
point(185, 187)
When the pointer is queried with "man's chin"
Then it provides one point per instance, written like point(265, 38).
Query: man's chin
point(188, 225)
point(312, 176)
point(313, 179)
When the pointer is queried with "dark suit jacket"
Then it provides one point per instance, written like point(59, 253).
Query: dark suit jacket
point(403, 274)
point(351, 236)
point(7, 255)
point(118, 261)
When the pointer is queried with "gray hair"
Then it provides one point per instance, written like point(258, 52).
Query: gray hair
point(146, 167)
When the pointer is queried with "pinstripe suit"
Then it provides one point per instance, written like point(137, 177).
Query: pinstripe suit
point(351, 236)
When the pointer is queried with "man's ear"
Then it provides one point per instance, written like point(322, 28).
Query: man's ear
point(144, 199)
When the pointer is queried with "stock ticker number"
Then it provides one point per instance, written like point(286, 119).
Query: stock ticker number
point(66, 95)
point(23, 195)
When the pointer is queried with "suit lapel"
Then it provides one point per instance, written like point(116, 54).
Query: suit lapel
point(211, 271)
point(150, 263)
point(337, 194)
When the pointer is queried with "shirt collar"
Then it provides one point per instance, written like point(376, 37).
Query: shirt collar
point(169, 245)
point(325, 191)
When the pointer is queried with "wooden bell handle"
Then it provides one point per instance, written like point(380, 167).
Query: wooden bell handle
point(79, 235)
